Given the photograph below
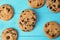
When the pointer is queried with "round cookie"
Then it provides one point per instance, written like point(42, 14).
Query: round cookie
point(36, 3)
point(27, 20)
point(51, 29)
point(9, 34)
point(6, 12)
point(53, 5)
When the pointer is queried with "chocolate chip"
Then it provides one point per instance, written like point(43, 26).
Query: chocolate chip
point(25, 28)
point(54, 5)
point(56, 29)
point(14, 34)
point(27, 10)
point(22, 20)
point(7, 31)
point(33, 13)
point(27, 18)
point(47, 25)
point(3, 7)
point(33, 23)
point(29, 25)
point(29, 1)
point(8, 37)
point(50, 7)
point(0, 11)
point(33, 18)
point(59, 0)
point(22, 11)
point(25, 22)
point(54, 0)
point(1, 15)
point(20, 23)
point(53, 35)
point(47, 31)
point(8, 9)
point(58, 6)
point(20, 15)
point(10, 30)
point(38, 5)
point(54, 9)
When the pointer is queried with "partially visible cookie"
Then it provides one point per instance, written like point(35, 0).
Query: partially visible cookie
point(27, 20)
point(59, 31)
point(6, 12)
point(36, 3)
point(53, 5)
point(51, 29)
point(9, 34)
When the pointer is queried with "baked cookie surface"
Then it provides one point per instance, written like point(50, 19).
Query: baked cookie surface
point(53, 5)
point(27, 20)
point(36, 3)
point(51, 29)
point(9, 34)
point(6, 12)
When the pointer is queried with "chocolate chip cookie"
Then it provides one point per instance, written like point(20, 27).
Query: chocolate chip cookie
point(6, 12)
point(36, 3)
point(53, 5)
point(51, 29)
point(27, 20)
point(9, 34)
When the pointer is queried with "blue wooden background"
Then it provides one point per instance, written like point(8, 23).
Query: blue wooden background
point(43, 15)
